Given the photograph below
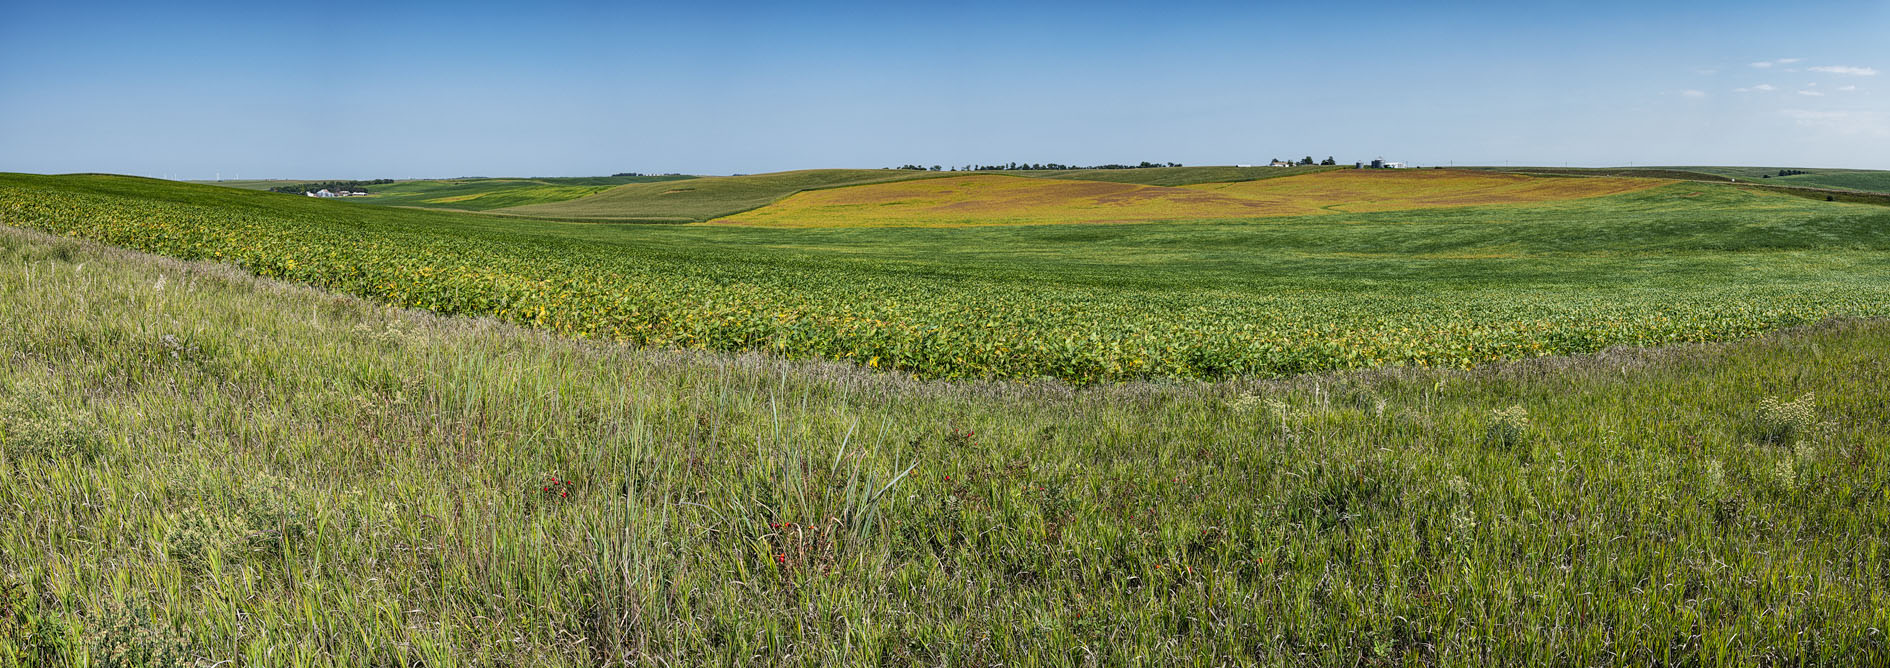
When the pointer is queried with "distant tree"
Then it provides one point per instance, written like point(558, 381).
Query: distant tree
point(301, 188)
point(1306, 160)
point(1329, 161)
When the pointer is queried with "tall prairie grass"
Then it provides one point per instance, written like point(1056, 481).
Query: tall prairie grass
point(198, 466)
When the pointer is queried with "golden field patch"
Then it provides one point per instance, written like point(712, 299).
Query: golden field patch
point(986, 199)
point(1364, 190)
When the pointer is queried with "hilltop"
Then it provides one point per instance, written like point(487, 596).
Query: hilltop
point(707, 197)
point(992, 199)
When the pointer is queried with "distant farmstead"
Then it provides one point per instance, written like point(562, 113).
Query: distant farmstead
point(344, 193)
point(1380, 163)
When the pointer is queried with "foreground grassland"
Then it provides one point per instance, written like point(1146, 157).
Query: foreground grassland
point(1438, 287)
point(204, 466)
point(957, 201)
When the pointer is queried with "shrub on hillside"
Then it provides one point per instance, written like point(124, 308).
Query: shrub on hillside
point(1509, 427)
point(1776, 422)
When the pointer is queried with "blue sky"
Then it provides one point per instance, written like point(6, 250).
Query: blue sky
point(544, 89)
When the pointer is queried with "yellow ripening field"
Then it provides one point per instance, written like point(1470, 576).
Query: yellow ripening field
point(987, 199)
point(1362, 190)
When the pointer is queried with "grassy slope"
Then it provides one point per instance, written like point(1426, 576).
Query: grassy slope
point(279, 477)
point(1877, 181)
point(1868, 180)
point(1442, 286)
point(471, 194)
point(255, 184)
point(706, 197)
point(486, 194)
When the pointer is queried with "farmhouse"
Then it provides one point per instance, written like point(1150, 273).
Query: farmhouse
point(322, 193)
point(1279, 163)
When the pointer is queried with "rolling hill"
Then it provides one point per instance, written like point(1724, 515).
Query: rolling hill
point(492, 193)
point(255, 473)
point(1861, 180)
point(706, 197)
point(714, 197)
point(1444, 286)
point(208, 458)
point(1173, 176)
point(989, 199)
point(1867, 180)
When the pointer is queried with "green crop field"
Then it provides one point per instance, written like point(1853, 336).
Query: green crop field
point(471, 194)
point(485, 194)
point(1451, 287)
point(207, 468)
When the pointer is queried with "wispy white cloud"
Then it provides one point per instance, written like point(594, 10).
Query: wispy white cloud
point(1780, 61)
point(1846, 70)
point(1761, 88)
point(1811, 93)
point(1865, 123)
point(1693, 93)
point(1707, 71)
point(1847, 88)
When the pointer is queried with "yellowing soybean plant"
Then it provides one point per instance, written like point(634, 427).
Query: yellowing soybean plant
point(1452, 287)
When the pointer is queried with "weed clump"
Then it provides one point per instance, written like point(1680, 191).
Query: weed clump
point(132, 638)
point(274, 518)
point(1776, 422)
point(200, 538)
point(29, 637)
point(39, 433)
point(1509, 427)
